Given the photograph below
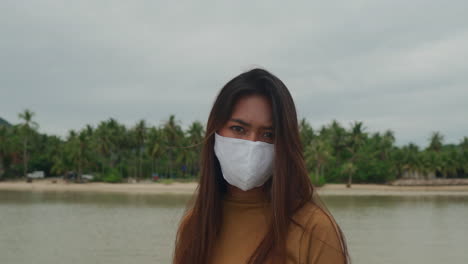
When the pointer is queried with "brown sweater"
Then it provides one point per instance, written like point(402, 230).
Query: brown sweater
point(244, 225)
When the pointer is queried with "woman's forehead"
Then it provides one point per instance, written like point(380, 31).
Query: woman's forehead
point(254, 110)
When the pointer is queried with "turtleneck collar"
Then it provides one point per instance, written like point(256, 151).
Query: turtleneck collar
point(253, 196)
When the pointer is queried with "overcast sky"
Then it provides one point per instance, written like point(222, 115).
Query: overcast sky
point(398, 65)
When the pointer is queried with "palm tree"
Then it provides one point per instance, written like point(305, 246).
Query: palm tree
point(306, 132)
point(172, 135)
point(103, 143)
point(380, 147)
point(27, 126)
point(450, 161)
point(464, 154)
point(141, 134)
point(357, 137)
point(336, 135)
point(428, 161)
point(84, 140)
point(355, 141)
point(184, 155)
point(195, 138)
point(349, 169)
point(319, 153)
point(108, 134)
point(156, 148)
point(388, 139)
point(115, 132)
point(90, 152)
point(73, 150)
point(435, 147)
point(464, 143)
point(4, 146)
point(59, 166)
point(124, 143)
point(411, 158)
point(435, 142)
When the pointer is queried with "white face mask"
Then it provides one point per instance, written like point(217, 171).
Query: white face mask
point(244, 163)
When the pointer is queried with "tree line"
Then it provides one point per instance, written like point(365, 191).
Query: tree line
point(114, 152)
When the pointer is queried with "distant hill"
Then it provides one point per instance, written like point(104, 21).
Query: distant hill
point(4, 122)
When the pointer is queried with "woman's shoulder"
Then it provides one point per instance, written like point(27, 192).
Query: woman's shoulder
point(318, 225)
point(310, 214)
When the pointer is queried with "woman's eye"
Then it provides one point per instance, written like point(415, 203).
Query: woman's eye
point(237, 128)
point(268, 134)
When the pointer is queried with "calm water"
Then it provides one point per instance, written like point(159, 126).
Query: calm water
point(121, 228)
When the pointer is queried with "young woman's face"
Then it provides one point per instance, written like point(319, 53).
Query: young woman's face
point(251, 119)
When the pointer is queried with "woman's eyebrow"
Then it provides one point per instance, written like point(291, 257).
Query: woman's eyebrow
point(242, 122)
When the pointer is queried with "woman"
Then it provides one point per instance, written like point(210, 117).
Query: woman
point(254, 202)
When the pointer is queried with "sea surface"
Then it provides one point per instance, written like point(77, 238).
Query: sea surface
point(85, 228)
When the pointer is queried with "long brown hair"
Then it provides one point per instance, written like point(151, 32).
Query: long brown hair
point(288, 190)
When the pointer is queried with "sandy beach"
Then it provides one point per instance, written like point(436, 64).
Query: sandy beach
point(188, 188)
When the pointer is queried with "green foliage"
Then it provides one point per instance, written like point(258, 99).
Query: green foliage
point(373, 170)
point(110, 176)
point(317, 181)
point(113, 152)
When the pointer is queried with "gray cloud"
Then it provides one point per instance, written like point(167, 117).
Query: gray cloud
point(395, 65)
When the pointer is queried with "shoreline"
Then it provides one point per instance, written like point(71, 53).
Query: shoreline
point(178, 188)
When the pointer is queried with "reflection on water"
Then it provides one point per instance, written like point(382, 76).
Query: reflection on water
point(68, 227)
